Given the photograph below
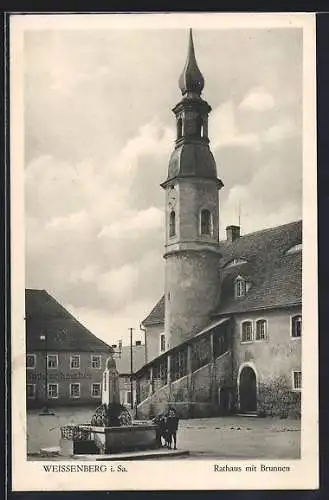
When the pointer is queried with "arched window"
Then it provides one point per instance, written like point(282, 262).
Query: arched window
point(205, 222)
point(179, 128)
point(199, 126)
point(172, 224)
point(296, 326)
point(205, 127)
point(261, 329)
point(246, 333)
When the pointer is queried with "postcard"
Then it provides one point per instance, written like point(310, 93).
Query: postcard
point(163, 251)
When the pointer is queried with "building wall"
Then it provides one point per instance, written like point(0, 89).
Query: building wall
point(273, 361)
point(153, 341)
point(64, 375)
point(125, 390)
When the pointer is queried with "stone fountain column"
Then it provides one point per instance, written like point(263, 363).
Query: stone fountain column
point(110, 386)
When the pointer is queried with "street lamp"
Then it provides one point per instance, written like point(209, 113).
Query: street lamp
point(131, 370)
point(45, 410)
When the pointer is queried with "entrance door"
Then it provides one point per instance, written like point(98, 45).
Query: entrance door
point(248, 390)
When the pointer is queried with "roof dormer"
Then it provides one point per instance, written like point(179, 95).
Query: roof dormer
point(295, 249)
point(240, 287)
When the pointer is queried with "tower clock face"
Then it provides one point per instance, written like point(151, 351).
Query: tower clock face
point(172, 198)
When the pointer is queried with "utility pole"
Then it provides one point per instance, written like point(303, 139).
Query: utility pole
point(131, 370)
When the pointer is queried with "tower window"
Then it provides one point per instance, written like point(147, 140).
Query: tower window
point(179, 128)
point(205, 222)
point(172, 224)
point(199, 126)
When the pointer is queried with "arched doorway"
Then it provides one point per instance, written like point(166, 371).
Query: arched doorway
point(248, 390)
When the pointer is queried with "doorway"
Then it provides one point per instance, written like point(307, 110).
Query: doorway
point(248, 390)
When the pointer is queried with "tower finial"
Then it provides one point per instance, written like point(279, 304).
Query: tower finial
point(191, 80)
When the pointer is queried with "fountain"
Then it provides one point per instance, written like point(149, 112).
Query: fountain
point(111, 429)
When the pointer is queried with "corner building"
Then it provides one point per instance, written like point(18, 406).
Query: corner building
point(226, 335)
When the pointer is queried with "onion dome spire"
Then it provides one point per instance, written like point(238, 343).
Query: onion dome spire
point(191, 80)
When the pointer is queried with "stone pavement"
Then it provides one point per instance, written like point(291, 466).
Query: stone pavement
point(236, 437)
point(230, 437)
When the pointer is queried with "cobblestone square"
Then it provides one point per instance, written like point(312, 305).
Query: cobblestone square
point(207, 438)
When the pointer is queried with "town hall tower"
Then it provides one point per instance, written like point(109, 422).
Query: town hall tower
point(192, 215)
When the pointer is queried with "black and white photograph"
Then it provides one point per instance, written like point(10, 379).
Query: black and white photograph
point(164, 290)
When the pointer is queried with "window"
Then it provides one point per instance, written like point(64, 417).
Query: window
point(95, 390)
point(30, 391)
point(52, 360)
point(296, 326)
point(162, 342)
point(52, 391)
point(240, 287)
point(30, 361)
point(172, 224)
point(75, 390)
point(246, 331)
point(297, 380)
point(160, 371)
point(205, 222)
point(220, 344)
point(200, 353)
point(295, 248)
point(75, 361)
point(261, 329)
point(178, 366)
point(179, 128)
point(96, 361)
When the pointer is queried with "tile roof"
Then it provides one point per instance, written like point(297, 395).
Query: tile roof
point(44, 315)
point(275, 276)
point(123, 362)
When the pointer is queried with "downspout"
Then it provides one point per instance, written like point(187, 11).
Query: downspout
point(142, 329)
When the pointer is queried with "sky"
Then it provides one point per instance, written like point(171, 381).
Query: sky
point(99, 131)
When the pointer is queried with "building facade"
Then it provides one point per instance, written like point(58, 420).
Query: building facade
point(128, 361)
point(64, 360)
point(226, 335)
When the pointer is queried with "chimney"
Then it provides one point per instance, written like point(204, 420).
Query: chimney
point(232, 233)
point(138, 342)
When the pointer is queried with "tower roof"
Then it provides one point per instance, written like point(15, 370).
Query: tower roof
point(191, 79)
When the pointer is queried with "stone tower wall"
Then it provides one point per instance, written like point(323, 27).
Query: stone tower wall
point(192, 292)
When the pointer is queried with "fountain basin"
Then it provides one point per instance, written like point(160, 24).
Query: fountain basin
point(108, 440)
